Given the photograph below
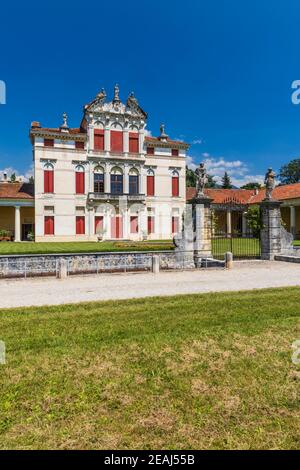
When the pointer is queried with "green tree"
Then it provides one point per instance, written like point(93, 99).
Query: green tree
point(31, 180)
point(211, 182)
point(13, 177)
point(250, 185)
point(254, 220)
point(190, 178)
point(226, 181)
point(290, 173)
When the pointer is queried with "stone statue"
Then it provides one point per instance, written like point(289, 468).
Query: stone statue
point(202, 180)
point(270, 183)
point(163, 136)
point(116, 94)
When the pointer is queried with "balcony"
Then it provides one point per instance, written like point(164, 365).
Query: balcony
point(95, 197)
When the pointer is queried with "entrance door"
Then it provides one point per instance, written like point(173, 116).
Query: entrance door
point(26, 229)
point(117, 226)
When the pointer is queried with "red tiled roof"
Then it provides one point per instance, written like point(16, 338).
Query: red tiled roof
point(16, 191)
point(247, 196)
point(156, 140)
point(56, 130)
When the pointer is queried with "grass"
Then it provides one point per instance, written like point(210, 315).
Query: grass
point(26, 248)
point(198, 372)
point(240, 247)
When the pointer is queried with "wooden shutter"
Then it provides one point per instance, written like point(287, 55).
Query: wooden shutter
point(98, 224)
point(49, 225)
point(48, 181)
point(49, 142)
point(99, 139)
point(175, 186)
point(150, 150)
point(175, 224)
point(150, 185)
point(79, 182)
point(133, 142)
point(116, 141)
point(175, 152)
point(150, 224)
point(116, 227)
point(134, 227)
point(80, 225)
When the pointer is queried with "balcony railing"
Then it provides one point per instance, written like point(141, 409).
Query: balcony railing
point(115, 197)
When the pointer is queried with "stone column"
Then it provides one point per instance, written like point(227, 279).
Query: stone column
point(107, 139)
point(17, 223)
point(229, 226)
point(91, 217)
point(203, 229)
point(107, 178)
point(126, 142)
point(293, 220)
point(244, 224)
point(125, 224)
point(126, 179)
point(271, 231)
point(141, 182)
point(107, 224)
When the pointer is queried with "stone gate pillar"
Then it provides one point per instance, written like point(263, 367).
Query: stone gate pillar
point(271, 229)
point(202, 229)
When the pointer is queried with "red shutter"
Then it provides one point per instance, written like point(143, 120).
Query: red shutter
point(49, 225)
point(49, 142)
point(175, 186)
point(99, 139)
point(80, 225)
point(150, 150)
point(134, 227)
point(150, 185)
point(79, 182)
point(116, 227)
point(48, 181)
point(175, 152)
point(133, 142)
point(175, 224)
point(98, 224)
point(79, 145)
point(116, 141)
point(150, 224)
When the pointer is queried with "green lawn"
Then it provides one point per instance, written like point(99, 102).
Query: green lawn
point(240, 247)
point(11, 248)
point(201, 371)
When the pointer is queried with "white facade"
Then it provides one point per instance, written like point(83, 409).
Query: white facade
point(118, 203)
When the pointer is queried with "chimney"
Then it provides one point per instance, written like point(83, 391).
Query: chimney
point(35, 125)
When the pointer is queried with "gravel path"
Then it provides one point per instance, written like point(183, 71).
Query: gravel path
point(51, 291)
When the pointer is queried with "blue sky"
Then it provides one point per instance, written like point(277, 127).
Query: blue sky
point(218, 73)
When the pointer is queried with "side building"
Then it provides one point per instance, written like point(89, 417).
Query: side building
point(107, 179)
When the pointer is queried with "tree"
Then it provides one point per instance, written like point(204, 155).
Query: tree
point(290, 173)
point(190, 178)
point(253, 185)
point(211, 182)
point(254, 220)
point(226, 181)
point(13, 177)
point(31, 180)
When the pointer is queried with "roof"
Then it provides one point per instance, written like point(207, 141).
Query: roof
point(16, 191)
point(157, 142)
point(247, 196)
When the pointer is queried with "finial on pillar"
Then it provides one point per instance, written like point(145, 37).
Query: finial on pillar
point(163, 136)
point(270, 183)
point(64, 127)
point(202, 180)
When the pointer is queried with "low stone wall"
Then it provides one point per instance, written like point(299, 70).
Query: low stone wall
point(48, 265)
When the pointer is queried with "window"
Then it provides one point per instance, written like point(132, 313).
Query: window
point(79, 180)
point(150, 150)
point(134, 224)
point(116, 182)
point(133, 142)
point(175, 185)
point(49, 142)
point(49, 225)
point(98, 224)
point(133, 184)
point(150, 185)
point(79, 145)
point(80, 224)
point(150, 224)
point(98, 183)
point(175, 224)
point(48, 179)
point(116, 141)
point(99, 139)
point(175, 152)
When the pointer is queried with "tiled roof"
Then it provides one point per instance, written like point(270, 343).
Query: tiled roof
point(168, 142)
point(247, 196)
point(16, 191)
point(57, 130)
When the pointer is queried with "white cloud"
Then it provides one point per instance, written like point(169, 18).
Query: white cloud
point(148, 133)
point(197, 142)
point(238, 171)
point(19, 176)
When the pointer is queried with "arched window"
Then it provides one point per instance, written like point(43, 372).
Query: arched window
point(175, 184)
point(99, 180)
point(133, 181)
point(116, 181)
point(150, 183)
point(79, 179)
point(48, 178)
